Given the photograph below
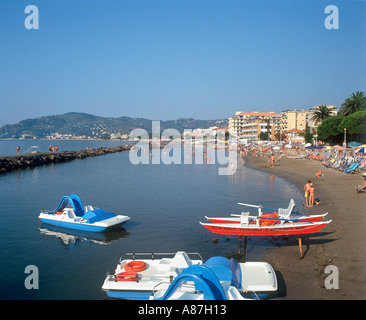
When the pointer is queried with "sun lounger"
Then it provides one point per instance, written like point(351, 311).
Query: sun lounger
point(352, 168)
point(348, 167)
point(360, 188)
point(345, 165)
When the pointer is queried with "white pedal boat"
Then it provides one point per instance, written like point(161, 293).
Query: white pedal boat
point(152, 278)
point(71, 214)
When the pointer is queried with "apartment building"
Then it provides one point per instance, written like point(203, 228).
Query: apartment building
point(294, 119)
point(249, 125)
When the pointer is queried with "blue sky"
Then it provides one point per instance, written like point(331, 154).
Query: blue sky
point(167, 59)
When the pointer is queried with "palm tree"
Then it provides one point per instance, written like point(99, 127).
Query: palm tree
point(356, 102)
point(320, 113)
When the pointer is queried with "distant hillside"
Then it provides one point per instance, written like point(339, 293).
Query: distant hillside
point(90, 126)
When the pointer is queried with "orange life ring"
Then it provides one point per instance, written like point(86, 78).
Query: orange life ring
point(135, 266)
point(126, 276)
point(60, 212)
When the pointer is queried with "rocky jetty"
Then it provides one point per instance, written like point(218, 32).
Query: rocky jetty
point(9, 163)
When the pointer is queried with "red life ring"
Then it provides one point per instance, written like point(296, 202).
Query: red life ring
point(135, 266)
point(126, 276)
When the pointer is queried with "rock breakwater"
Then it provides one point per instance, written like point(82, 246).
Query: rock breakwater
point(9, 163)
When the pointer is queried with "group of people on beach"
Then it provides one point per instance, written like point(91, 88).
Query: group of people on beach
point(310, 194)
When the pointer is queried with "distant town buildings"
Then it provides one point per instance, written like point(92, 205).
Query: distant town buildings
point(292, 124)
point(250, 125)
point(289, 125)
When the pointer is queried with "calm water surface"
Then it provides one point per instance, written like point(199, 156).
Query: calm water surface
point(165, 204)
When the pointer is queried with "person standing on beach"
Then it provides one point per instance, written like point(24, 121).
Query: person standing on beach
point(273, 160)
point(307, 192)
point(18, 149)
point(312, 196)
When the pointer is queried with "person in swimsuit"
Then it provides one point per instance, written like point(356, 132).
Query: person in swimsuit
point(307, 192)
point(312, 196)
point(273, 160)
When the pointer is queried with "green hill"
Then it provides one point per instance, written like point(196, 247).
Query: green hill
point(90, 126)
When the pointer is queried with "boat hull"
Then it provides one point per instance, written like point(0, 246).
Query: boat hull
point(275, 230)
point(128, 295)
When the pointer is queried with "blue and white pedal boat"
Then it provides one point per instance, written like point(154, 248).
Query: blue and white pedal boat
point(183, 279)
point(71, 214)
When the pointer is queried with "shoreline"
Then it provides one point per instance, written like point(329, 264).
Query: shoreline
point(339, 244)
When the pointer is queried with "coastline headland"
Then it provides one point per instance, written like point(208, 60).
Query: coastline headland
point(9, 163)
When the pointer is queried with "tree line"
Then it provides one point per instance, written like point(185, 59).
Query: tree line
point(351, 116)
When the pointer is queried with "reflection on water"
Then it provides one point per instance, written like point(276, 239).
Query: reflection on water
point(72, 238)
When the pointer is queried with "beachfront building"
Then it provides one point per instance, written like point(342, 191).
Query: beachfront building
point(294, 119)
point(249, 125)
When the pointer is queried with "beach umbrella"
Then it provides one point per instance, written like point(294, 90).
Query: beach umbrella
point(354, 144)
point(360, 150)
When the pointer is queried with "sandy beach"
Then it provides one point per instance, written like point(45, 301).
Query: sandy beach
point(340, 244)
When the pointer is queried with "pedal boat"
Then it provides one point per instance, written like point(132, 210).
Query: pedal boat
point(71, 214)
point(153, 278)
point(283, 213)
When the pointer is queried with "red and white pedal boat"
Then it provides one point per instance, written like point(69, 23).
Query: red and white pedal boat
point(273, 224)
point(276, 229)
point(286, 214)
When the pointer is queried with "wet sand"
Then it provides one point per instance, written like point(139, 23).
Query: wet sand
point(341, 243)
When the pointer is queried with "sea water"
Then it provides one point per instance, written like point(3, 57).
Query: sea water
point(165, 203)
